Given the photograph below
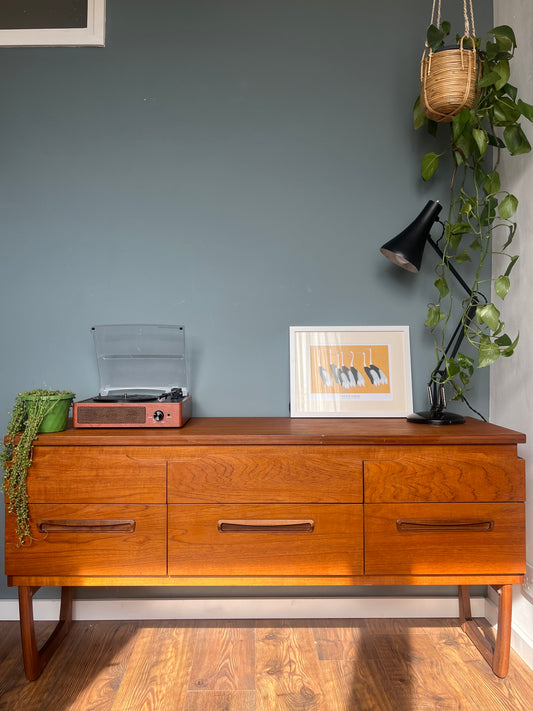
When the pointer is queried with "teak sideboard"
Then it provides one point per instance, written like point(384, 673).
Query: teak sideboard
point(274, 501)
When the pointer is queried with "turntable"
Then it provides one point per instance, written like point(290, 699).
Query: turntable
point(143, 378)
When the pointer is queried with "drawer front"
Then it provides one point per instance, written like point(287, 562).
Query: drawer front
point(439, 539)
point(265, 474)
point(265, 540)
point(90, 540)
point(97, 475)
point(468, 477)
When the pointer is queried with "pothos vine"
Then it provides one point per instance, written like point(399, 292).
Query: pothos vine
point(480, 210)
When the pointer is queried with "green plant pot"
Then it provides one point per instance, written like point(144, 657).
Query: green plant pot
point(57, 416)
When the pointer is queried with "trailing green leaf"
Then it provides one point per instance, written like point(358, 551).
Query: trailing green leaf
point(435, 316)
point(507, 207)
point(525, 109)
point(442, 286)
point(516, 140)
point(504, 36)
point(419, 117)
point(430, 163)
point(502, 285)
point(488, 352)
point(482, 140)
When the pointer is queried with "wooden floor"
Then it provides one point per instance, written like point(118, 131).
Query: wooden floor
point(295, 665)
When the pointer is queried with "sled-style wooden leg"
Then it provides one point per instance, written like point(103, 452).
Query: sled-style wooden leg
point(496, 655)
point(36, 659)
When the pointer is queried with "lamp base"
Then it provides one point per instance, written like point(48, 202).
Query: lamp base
point(430, 417)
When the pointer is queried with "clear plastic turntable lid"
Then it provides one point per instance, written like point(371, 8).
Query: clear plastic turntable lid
point(140, 358)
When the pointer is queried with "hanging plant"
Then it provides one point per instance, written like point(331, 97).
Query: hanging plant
point(29, 417)
point(449, 75)
point(480, 218)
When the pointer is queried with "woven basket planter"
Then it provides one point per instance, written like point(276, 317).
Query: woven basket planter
point(448, 83)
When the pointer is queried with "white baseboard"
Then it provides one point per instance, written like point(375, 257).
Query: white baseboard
point(520, 641)
point(249, 608)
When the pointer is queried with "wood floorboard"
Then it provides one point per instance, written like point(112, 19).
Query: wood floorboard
point(287, 669)
point(223, 658)
point(262, 665)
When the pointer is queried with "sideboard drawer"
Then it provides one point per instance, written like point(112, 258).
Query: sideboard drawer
point(313, 539)
point(97, 475)
point(446, 477)
point(265, 474)
point(442, 539)
point(90, 540)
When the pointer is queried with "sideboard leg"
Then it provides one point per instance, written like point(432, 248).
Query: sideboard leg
point(502, 648)
point(36, 659)
point(496, 655)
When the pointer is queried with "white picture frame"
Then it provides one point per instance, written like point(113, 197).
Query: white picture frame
point(350, 371)
point(92, 35)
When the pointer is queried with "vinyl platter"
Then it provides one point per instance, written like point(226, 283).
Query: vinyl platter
point(125, 397)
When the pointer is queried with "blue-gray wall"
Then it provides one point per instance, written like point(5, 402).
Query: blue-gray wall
point(232, 165)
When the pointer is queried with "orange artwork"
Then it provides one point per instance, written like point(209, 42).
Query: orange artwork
point(350, 369)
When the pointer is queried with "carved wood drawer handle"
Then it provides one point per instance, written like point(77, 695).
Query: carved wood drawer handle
point(266, 526)
point(73, 525)
point(430, 524)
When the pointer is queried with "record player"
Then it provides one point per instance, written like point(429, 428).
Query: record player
point(143, 378)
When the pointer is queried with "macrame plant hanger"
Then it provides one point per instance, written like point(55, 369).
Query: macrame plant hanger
point(449, 77)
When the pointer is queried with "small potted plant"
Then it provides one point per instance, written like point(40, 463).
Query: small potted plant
point(34, 411)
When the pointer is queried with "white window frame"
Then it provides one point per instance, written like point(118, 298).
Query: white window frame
point(92, 35)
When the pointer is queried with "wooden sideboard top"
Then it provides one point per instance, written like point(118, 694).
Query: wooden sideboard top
point(286, 430)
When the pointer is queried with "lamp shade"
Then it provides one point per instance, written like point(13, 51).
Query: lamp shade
point(407, 248)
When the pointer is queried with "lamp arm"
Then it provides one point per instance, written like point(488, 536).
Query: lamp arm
point(453, 270)
point(435, 387)
point(456, 339)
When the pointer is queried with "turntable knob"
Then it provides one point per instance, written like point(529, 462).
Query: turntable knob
point(159, 415)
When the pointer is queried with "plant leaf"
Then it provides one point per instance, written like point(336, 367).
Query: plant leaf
point(504, 341)
point(465, 145)
point(460, 122)
point(525, 109)
point(436, 36)
point(465, 362)
point(489, 79)
point(442, 286)
point(452, 368)
point(511, 265)
point(492, 183)
point(510, 349)
point(430, 163)
point(503, 71)
point(481, 139)
point(515, 140)
point(435, 315)
point(488, 352)
point(495, 141)
point(463, 257)
point(419, 117)
point(510, 90)
point(507, 207)
point(502, 285)
point(489, 315)
point(505, 36)
point(505, 111)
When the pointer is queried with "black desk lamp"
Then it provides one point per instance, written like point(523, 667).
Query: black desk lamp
point(406, 251)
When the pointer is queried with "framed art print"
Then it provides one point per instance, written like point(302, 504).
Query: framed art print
point(52, 23)
point(350, 371)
